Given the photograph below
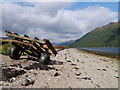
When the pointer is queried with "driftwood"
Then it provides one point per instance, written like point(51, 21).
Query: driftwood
point(31, 46)
point(24, 38)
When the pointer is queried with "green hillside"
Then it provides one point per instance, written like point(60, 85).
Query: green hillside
point(105, 36)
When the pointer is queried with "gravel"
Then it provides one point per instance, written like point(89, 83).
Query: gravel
point(70, 68)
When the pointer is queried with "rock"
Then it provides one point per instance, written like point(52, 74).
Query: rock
point(35, 74)
point(116, 76)
point(107, 67)
point(78, 74)
point(56, 74)
point(116, 70)
point(86, 78)
point(14, 65)
point(28, 81)
point(82, 62)
point(97, 85)
point(73, 64)
point(12, 79)
point(105, 60)
point(20, 66)
point(65, 57)
point(104, 69)
point(68, 61)
point(98, 69)
point(76, 68)
point(83, 68)
point(86, 56)
point(78, 60)
point(78, 78)
point(91, 81)
point(26, 75)
point(27, 68)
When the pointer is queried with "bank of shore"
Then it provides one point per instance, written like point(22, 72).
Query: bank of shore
point(71, 68)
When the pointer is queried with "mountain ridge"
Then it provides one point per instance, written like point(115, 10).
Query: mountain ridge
point(105, 36)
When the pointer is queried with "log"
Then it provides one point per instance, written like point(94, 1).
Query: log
point(32, 48)
point(25, 38)
point(35, 44)
point(25, 48)
point(38, 48)
point(49, 45)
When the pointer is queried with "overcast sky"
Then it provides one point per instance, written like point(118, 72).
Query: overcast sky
point(58, 22)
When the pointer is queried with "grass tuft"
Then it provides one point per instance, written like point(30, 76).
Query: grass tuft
point(4, 48)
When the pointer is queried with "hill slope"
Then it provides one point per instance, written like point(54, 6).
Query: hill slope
point(105, 36)
point(67, 43)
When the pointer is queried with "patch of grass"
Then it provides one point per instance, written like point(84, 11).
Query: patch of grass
point(4, 52)
point(4, 48)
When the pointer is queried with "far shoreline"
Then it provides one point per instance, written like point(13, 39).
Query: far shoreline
point(111, 55)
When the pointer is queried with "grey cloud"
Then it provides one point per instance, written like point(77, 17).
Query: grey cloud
point(52, 21)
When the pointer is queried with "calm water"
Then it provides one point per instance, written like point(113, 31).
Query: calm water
point(105, 50)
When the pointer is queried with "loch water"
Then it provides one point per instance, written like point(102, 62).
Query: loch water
point(112, 51)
